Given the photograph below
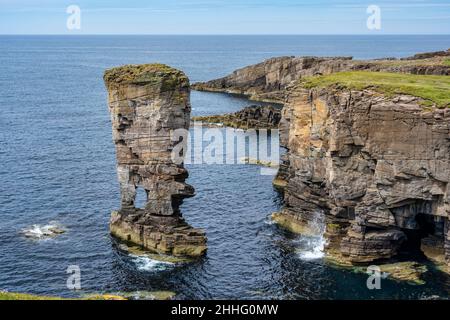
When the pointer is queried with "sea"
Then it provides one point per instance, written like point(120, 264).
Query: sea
point(57, 168)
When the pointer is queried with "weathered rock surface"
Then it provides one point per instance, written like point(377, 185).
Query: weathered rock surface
point(147, 103)
point(251, 117)
point(377, 166)
point(267, 81)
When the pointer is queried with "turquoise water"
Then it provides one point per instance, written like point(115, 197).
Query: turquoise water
point(58, 164)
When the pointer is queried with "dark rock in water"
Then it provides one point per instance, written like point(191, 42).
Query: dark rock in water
point(251, 117)
point(40, 232)
point(147, 104)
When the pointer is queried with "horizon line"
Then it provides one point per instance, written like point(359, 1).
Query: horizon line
point(224, 34)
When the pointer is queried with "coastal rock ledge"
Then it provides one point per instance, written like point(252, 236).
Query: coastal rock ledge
point(147, 103)
point(376, 164)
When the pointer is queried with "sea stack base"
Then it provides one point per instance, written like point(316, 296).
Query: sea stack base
point(162, 234)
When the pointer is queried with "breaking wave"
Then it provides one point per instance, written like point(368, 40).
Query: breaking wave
point(145, 263)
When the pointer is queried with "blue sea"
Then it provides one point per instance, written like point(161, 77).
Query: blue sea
point(58, 166)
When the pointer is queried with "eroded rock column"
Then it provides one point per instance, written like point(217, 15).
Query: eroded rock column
point(147, 104)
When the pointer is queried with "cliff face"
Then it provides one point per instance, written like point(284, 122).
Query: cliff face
point(370, 159)
point(147, 103)
point(375, 166)
point(267, 81)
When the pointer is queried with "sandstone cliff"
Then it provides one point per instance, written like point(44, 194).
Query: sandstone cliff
point(267, 81)
point(147, 103)
point(368, 152)
point(374, 159)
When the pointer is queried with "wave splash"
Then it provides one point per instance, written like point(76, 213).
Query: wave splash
point(145, 263)
point(313, 246)
point(39, 232)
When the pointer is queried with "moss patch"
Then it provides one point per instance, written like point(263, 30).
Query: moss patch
point(433, 89)
point(146, 74)
point(138, 295)
point(291, 224)
point(404, 271)
point(24, 296)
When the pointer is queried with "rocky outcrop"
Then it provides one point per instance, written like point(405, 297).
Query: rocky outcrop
point(376, 166)
point(251, 117)
point(147, 103)
point(427, 55)
point(268, 80)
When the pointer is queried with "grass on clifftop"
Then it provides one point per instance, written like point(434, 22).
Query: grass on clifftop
point(433, 89)
point(155, 74)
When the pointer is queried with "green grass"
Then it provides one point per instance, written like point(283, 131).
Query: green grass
point(446, 62)
point(155, 74)
point(433, 89)
point(24, 296)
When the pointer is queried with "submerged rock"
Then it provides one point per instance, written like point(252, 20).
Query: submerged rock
point(411, 272)
point(148, 104)
point(39, 232)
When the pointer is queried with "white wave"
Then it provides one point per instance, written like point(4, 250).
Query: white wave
point(39, 232)
point(313, 246)
point(145, 263)
point(314, 249)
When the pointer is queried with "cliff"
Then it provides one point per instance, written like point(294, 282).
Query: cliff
point(267, 81)
point(147, 103)
point(370, 153)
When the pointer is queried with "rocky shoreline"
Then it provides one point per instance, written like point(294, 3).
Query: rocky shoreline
point(251, 117)
point(368, 149)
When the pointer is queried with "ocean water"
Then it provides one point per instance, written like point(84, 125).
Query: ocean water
point(58, 167)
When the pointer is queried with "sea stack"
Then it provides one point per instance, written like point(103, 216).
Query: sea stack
point(147, 104)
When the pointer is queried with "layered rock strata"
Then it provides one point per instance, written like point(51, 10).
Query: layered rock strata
point(251, 117)
point(147, 104)
point(375, 165)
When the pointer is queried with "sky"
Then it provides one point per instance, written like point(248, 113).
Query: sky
point(224, 17)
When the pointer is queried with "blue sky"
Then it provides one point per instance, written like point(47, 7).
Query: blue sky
point(225, 17)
